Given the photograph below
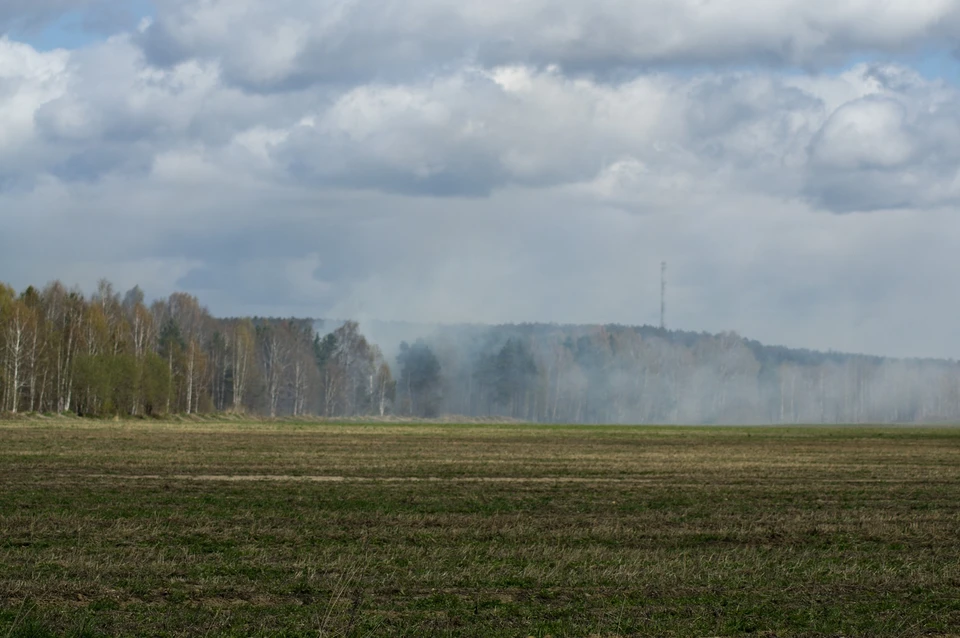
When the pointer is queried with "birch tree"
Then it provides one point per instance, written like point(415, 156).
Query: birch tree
point(242, 354)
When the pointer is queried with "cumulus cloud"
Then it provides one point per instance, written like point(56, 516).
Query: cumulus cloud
point(875, 137)
point(28, 80)
point(867, 133)
point(288, 44)
point(893, 148)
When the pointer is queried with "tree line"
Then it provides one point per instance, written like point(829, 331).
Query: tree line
point(115, 354)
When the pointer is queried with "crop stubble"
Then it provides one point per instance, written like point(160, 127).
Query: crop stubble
point(322, 529)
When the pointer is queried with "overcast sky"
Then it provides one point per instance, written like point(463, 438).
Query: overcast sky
point(796, 162)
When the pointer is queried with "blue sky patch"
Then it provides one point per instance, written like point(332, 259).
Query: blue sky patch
point(76, 29)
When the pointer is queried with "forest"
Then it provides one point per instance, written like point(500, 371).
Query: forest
point(112, 353)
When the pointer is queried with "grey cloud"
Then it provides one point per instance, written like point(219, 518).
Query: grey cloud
point(754, 126)
point(884, 152)
point(876, 137)
point(90, 164)
point(772, 270)
point(316, 158)
point(289, 44)
point(109, 111)
point(470, 133)
point(291, 281)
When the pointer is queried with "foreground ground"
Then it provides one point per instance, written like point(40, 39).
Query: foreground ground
point(300, 529)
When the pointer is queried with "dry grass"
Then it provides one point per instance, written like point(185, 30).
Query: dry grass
point(270, 528)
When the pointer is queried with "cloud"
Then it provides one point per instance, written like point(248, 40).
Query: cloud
point(874, 137)
point(101, 109)
point(29, 18)
point(28, 80)
point(892, 149)
point(467, 133)
point(870, 133)
point(445, 161)
point(32, 14)
point(289, 44)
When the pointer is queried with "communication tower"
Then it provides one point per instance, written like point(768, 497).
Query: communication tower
point(663, 295)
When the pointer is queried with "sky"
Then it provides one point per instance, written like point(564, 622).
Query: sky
point(795, 162)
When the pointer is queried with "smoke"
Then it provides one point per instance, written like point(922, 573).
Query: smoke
point(634, 375)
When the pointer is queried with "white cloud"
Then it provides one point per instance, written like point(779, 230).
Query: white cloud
point(867, 133)
point(28, 80)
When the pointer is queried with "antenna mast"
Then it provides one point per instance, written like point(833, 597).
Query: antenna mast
point(663, 295)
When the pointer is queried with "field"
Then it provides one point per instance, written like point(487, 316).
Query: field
point(300, 529)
